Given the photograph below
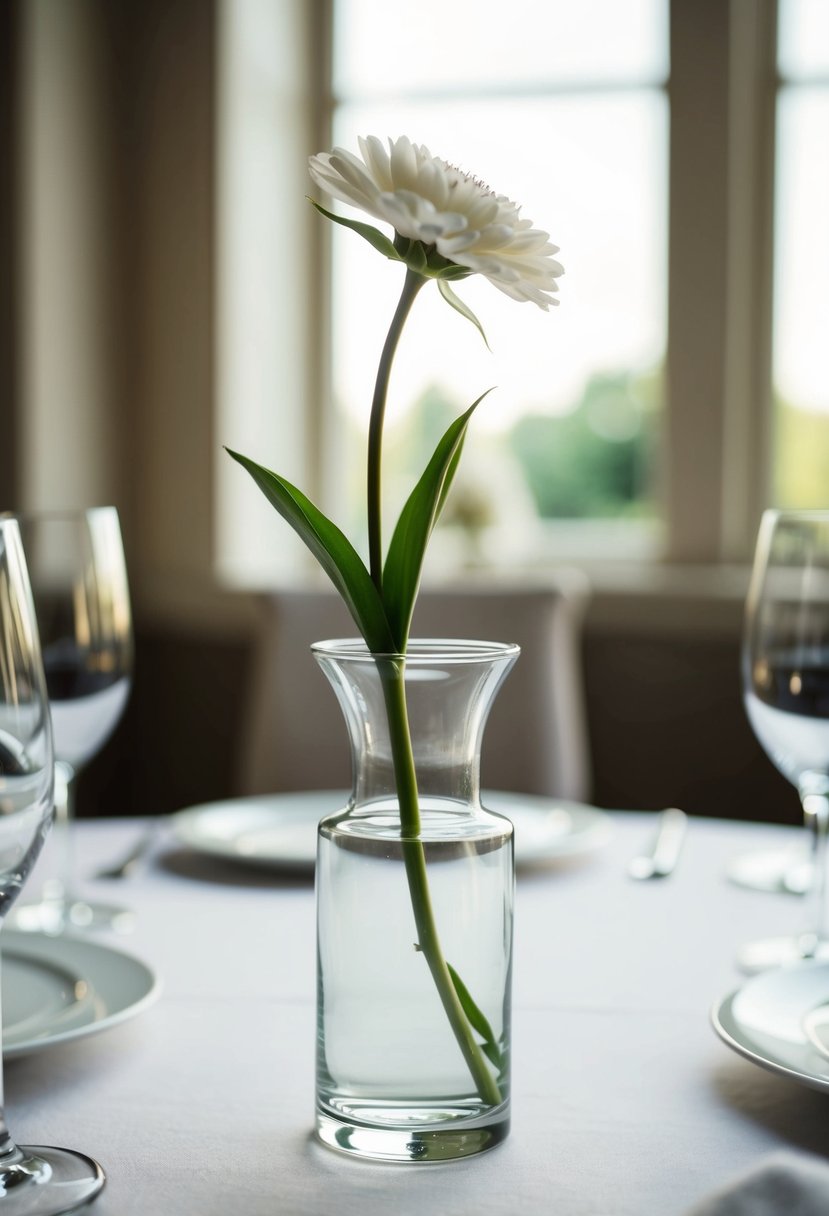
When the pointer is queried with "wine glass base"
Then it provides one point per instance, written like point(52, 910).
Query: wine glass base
point(56, 916)
point(48, 1181)
point(778, 952)
point(783, 871)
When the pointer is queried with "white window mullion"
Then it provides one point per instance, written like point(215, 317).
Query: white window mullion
point(265, 381)
point(693, 456)
point(748, 392)
point(718, 434)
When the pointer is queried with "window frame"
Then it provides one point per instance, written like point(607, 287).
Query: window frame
point(718, 411)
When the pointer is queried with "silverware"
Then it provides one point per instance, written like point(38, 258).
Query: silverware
point(662, 859)
point(133, 858)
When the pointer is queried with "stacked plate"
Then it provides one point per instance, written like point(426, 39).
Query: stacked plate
point(780, 1020)
point(60, 988)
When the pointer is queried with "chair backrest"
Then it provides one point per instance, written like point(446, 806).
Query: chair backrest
point(536, 737)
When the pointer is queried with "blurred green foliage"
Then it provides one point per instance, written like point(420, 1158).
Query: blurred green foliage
point(801, 457)
point(597, 461)
point(600, 460)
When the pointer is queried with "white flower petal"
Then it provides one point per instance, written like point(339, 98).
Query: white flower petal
point(377, 161)
point(345, 192)
point(451, 245)
point(403, 165)
point(428, 200)
point(353, 171)
point(433, 184)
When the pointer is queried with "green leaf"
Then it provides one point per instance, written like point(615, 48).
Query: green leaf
point(494, 1055)
point(459, 306)
point(374, 236)
point(477, 1020)
point(451, 270)
point(415, 257)
point(332, 549)
point(404, 560)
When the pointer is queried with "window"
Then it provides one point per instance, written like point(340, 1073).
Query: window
point(637, 420)
point(801, 382)
point(564, 109)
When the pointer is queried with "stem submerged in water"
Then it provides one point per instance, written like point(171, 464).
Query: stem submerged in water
point(392, 673)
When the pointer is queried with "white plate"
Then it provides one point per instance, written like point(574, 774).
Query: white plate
point(61, 988)
point(786, 871)
point(278, 831)
point(764, 1021)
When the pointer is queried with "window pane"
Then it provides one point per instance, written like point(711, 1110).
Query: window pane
point(803, 38)
point(801, 472)
point(570, 429)
point(416, 45)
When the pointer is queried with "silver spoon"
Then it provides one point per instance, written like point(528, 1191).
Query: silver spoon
point(662, 859)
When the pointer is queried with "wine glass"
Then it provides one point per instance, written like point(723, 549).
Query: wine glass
point(785, 665)
point(79, 582)
point(34, 1181)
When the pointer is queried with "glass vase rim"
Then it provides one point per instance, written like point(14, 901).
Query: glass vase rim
point(419, 650)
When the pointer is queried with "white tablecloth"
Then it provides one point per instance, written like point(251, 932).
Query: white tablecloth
point(624, 1100)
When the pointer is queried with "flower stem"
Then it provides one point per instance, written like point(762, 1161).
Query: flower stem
point(411, 286)
point(392, 675)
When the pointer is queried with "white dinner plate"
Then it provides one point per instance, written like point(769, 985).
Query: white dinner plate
point(785, 871)
point(61, 988)
point(766, 1021)
point(278, 831)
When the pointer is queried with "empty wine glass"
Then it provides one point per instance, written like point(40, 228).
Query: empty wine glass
point(79, 582)
point(34, 1181)
point(786, 688)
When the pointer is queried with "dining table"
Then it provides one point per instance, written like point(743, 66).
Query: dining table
point(624, 1100)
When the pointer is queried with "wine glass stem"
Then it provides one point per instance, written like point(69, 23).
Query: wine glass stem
point(64, 836)
point(816, 815)
point(8, 1148)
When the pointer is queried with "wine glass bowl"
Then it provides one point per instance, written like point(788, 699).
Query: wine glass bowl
point(34, 1181)
point(785, 668)
point(79, 582)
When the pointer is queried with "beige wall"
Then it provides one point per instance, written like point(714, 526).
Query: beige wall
point(115, 305)
point(68, 326)
point(167, 229)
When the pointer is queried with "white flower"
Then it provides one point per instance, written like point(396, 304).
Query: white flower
point(428, 200)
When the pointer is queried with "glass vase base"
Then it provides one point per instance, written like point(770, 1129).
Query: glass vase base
point(422, 1133)
point(56, 916)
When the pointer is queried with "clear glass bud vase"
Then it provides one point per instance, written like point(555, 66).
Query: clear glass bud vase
point(414, 910)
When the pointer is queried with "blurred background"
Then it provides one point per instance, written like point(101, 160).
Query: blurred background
point(165, 289)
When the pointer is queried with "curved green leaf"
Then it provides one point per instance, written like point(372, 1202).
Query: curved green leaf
point(332, 549)
point(377, 239)
point(459, 306)
point(404, 561)
point(477, 1020)
point(451, 270)
point(415, 257)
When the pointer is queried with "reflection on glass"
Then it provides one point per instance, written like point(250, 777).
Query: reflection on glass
point(34, 1181)
point(785, 670)
point(79, 579)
